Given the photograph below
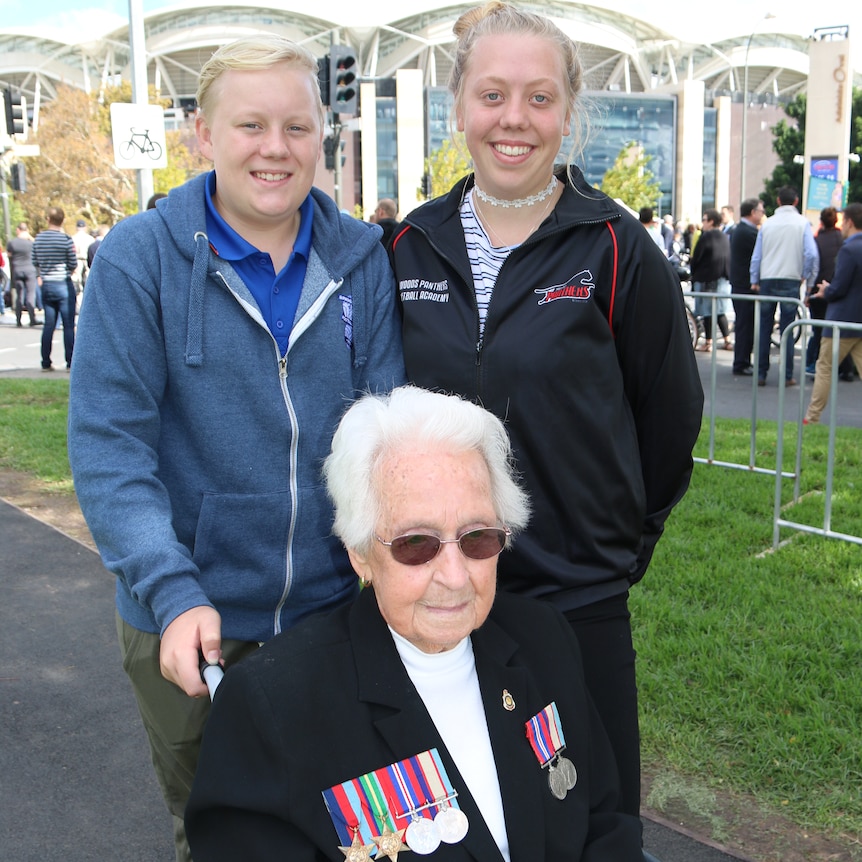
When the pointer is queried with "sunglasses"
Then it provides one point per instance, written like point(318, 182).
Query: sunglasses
point(414, 549)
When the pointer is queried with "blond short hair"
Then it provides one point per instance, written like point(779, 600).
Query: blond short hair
point(252, 53)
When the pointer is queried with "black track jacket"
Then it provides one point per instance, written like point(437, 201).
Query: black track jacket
point(586, 357)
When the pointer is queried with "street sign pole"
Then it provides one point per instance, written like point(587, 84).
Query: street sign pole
point(140, 94)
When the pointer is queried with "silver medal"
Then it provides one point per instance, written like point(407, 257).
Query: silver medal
point(422, 836)
point(568, 771)
point(452, 824)
point(557, 782)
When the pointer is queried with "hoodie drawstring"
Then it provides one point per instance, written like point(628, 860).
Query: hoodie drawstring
point(195, 331)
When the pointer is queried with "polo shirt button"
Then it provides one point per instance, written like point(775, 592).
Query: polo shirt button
point(279, 324)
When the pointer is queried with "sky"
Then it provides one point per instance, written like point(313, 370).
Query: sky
point(92, 18)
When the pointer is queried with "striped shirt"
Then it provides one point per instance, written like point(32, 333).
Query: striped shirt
point(485, 258)
point(54, 255)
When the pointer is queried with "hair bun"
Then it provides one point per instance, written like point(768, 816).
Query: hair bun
point(473, 16)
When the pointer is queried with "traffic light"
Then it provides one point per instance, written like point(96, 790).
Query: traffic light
point(19, 177)
point(342, 80)
point(323, 78)
point(329, 153)
point(426, 186)
point(16, 113)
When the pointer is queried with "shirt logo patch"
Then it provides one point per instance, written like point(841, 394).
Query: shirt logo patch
point(579, 287)
point(347, 317)
point(412, 289)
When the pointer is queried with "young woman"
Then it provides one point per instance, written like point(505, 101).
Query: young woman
point(534, 294)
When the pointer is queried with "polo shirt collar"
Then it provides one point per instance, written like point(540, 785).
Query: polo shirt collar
point(229, 245)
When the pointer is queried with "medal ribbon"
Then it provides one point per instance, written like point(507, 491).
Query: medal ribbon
point(380, 798)
point(545, 733)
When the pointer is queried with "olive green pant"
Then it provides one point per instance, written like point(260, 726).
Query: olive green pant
point(174, 722)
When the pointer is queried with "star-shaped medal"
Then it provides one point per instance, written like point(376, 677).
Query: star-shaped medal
point(390, 844)
point(357, 851)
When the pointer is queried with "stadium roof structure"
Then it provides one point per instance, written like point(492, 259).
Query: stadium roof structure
point(620, 51)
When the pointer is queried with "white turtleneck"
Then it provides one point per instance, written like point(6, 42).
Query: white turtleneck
point(449, 688)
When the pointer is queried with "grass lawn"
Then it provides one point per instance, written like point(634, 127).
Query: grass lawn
point(750, 659)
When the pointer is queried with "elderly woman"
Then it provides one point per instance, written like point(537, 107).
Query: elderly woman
point(431, 714)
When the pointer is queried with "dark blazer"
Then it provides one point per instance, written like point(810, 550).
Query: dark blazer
point(711, 258)
point(330, 700)
point(844, 293)
point(829, 241)
point(742, 240)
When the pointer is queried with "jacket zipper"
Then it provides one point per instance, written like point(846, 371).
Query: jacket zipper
point(304, 322)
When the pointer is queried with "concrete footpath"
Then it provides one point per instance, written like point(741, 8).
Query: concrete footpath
point(75, 779)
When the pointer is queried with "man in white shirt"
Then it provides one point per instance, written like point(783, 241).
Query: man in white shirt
point(784, 255)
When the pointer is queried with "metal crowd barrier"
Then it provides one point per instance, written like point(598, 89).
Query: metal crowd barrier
point(757, 299)
point(804, 322)
point(779, 522)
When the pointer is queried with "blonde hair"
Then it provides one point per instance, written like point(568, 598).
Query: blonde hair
point(252, 53)
point(495, 19)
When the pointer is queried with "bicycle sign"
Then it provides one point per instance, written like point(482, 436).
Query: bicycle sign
point(139, 136)
point(140, 142)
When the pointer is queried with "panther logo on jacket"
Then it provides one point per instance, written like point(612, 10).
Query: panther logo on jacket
point(579, 287)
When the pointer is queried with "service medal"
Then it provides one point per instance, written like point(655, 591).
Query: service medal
point(557, 782)
point(390, 844)
point(357, 851)
point(545, 734)
point(567, 769)
point(452, 824)
point(422, 836)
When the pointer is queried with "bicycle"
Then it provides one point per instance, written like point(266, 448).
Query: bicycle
point(142, 143)
point(695, 324)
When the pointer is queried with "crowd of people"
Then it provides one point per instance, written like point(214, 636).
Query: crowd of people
point(47, 274)
point(414, 558)
point(782, 257)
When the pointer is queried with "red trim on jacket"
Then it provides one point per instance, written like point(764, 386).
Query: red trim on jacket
point(398, 236)
point(614, 278)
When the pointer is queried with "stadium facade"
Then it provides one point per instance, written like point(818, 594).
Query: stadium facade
point(684, 102)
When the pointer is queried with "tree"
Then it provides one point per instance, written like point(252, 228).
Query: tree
point(184, 159)
point(789, 141)
point(854, 191)
point(445, 166)
point(629, 179)
point(75, 169)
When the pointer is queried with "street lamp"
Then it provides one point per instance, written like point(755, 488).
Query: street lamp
point(766, 17)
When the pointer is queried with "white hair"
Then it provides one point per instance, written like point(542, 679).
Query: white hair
point(377, 426)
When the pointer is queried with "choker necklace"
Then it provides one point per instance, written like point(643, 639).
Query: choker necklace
point(492, 234)
point(518, 202)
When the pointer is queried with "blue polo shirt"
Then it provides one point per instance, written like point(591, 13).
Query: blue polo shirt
point(276, 294)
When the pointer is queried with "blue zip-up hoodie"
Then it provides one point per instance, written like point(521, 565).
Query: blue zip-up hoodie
point(195, 447)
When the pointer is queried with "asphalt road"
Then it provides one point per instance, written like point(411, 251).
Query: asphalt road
point(737, 397)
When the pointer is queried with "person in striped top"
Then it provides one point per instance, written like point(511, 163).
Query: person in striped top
point(55, 260)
